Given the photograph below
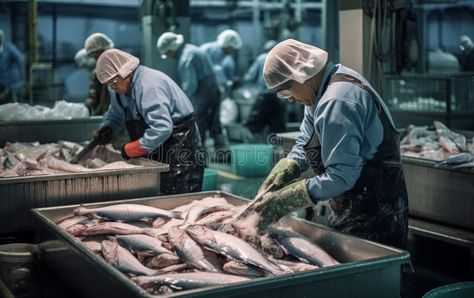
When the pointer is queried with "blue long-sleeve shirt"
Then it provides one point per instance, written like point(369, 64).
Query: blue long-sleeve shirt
point(255, 73)
point(193, 65)
point(223, 63)
point(157, 98)
point(11, 62)
point(346, 121)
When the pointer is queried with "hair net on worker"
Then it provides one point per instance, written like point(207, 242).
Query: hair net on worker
point(169, 41)
point(115, 62)
point(229, 39)
point(465, 43)
point(269, 44)
point(83, 60)
point(292, 60)
point(98, 42)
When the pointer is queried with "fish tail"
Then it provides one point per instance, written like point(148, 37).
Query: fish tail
point(177, 214)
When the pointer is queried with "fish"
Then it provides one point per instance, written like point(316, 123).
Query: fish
point(301, 247)
point(215, 217)
point(127, 212)
point(231, 247)
point(51, 162)
point(123, 260)
point(448, 145)
point(72, 221)
point(199, 210)
point(458, 139)
point(239, 268)
point(190, 280)
point(191, 252)
point(142, 244)
point(163, 260)
point(291, 267)
point(112, 228)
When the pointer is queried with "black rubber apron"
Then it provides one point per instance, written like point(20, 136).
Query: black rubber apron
point(376, 208)
point(180, 151)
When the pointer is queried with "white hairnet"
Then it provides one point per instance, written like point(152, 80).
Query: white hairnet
point(229, 39)
point(115, 62)
point(83, 60)
point(98, 42)
point(169, 41)
point(465, 43)
point(292, 60)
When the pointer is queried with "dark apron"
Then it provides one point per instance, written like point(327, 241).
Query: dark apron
point(376, 208)
point(180, 151)
point(206, 103)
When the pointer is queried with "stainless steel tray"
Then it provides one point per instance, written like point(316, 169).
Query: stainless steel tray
point(48, 131)
point(19, 194)
point(368, 270)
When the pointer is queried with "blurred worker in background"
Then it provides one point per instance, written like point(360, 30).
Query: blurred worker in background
point(98, 98)
point(196, 78)
point(220, 52)
point(466, 56)
point(348, 138)
point(11, 71)
point(267, 110)
point(158, 116)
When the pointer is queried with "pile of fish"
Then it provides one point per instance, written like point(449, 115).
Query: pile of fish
point(31, 159)
point(185, 248)
point(438, 143)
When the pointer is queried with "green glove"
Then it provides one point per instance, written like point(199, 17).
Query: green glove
point(279, 203)
point(284, 171)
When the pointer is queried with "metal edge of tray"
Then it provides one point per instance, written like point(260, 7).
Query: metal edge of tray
point(51, 121)
point(433, 164)
point(143, 167)
point(263, 283)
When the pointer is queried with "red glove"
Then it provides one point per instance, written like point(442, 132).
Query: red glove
point(132, 150)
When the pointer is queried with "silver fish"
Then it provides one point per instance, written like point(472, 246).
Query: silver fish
point(290, 266)
point(72, 221)
point(239, 268)
point(142, 244)
point(190, 280)
point(123, 260)
point(113, 228)
point(215, 217)
point(191, 252)
point(231, 247)
point(127, 212)
point(199, 210)
point(162, 261)
point(302, 248)
point(457, 159)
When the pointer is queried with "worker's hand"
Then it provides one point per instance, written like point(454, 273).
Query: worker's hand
point(133, 150)
point(103, 135)
point(279, 203)
point(284, 171)
point(89, 102)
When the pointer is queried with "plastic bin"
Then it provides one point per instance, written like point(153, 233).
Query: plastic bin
point(251, 160)
point(210, 179)
point(457, 290)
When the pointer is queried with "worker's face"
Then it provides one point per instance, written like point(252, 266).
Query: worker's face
point(119, 84)
point(172, 54)
point(296, 92)
point(229, 50)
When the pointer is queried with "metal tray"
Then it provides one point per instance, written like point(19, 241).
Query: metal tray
point(368, 270)
point(48, 131)
point(19, 194)
point(440, 194)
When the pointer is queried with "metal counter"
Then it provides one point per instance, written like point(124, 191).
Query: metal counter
point(19, 194)
point(368, 269)
point(48, 131)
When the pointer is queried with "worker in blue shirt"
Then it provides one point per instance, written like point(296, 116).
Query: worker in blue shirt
point(220, 52)
point(11, 64)
point(268, 114)
point(196, 78)
point(158, 116)
point(347, 137)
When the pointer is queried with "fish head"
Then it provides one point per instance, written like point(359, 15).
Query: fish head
point(109, 249)
point(81, 210)
point(200, 233)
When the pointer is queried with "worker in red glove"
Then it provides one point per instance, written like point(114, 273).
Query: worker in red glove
point(158, 116)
